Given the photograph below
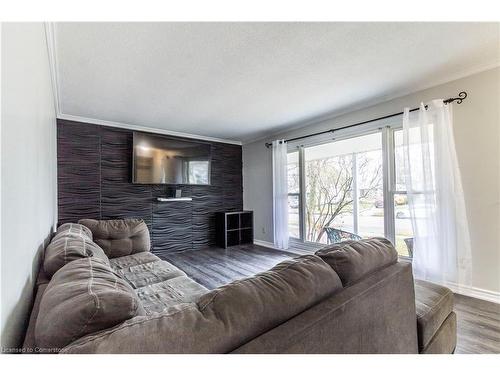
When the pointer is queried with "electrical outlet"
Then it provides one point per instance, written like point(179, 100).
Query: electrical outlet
point(263, 230)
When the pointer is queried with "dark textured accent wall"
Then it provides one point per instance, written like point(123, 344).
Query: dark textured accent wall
point(94, 181)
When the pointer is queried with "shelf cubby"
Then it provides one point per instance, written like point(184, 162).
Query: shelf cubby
point(234, 228)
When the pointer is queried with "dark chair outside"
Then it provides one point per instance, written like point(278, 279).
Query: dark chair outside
point(409, 246)
point(337, 235)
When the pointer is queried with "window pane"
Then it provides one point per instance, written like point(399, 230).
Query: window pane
point(198, 172)
point(371, 191)
point(421, 142)
point(399, 162)
point(293, 216)
point(403, 227)
point(330, 171)
point(293, 194)
point(293, 172)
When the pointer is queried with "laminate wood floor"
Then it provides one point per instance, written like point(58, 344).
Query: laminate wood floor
point(478, 321)
point(213, 267)
point(478, 326)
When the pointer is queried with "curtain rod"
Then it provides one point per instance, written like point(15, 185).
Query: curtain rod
point(461, 96)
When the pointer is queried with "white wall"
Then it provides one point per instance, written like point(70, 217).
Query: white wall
point(28, 180)
point(477, 136)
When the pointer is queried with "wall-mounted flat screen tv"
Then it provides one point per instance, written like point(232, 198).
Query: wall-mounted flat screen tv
point(164, 160)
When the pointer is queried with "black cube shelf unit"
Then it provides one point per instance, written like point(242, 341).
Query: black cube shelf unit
point(234, 228)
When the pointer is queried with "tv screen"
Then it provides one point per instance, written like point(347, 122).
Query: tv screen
point(163, 160)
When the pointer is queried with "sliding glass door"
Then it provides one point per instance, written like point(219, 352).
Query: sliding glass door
point(349, 188)
point(343, 189)
point(403, 231)
point(293, 194)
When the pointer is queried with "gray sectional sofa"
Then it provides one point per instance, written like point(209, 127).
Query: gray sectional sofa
point(101, 290)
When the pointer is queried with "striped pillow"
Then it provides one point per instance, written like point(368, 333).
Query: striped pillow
point(73, 229)
point(83, 297)
point(67, 247)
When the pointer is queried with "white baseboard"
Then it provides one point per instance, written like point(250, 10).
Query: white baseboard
point(265, 244)
point(470, 291)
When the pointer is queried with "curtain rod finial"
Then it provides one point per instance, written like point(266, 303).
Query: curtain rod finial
point(461, 96)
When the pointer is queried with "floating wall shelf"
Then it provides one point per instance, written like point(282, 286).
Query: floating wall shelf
point(182, 199)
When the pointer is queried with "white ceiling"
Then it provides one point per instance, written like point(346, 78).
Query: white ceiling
point(241, 81)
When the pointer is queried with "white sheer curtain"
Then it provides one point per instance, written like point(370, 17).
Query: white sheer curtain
point(441, 245)
point(280, 194)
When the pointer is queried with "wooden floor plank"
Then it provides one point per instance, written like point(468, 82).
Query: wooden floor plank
point(213, 267)
point(478, 325)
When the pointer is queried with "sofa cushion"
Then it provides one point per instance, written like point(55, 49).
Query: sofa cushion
point(149, 273)
point(133, 260)
point(29, 339)
point(433, 303)
point(84, 296)
point(67, 247)
point(353, 260)
point(158, 297)
point(120, 237)
point(444, 340)
point(251, 306)
point(74, 229)
point(224, 318)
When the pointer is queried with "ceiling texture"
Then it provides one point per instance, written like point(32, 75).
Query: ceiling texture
point(242, 81)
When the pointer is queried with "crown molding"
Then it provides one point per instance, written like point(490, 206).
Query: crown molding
point(53, 62)
point(142, 128)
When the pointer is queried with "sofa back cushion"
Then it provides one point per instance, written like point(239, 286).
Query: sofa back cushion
point(254, 305)
point(68, 246)
point(119, 237)
point(353, 260)
point(84, 296)
point(224, 318)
